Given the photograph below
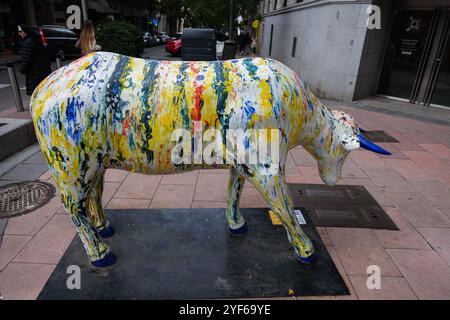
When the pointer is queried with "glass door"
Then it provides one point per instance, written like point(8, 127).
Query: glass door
point(441, 86)
point(404, 53)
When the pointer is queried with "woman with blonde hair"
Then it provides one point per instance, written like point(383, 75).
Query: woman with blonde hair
point(87, 42)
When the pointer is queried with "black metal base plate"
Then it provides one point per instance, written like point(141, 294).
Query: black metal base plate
point(379, 136)
point(344, 206)
point(188, 254)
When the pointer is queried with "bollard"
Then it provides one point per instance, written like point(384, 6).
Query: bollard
point(58, 62)
point(15, 87)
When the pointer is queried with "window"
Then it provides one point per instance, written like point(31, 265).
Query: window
point(270, 42)
point(275, 5)
point(294, 47)
point(284, 3)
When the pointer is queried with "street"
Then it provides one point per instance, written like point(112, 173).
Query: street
point(6, 94)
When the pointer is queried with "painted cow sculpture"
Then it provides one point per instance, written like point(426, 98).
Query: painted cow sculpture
point(106, 110)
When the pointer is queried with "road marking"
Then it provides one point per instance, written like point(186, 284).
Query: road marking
point(4, 85)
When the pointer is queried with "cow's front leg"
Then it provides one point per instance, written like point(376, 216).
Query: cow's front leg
point(75, 201)
point(96, 212)
point(275, 191)
point(236, 222)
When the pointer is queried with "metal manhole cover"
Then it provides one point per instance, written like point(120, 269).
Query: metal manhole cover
point(379, 136)
point(23, 197)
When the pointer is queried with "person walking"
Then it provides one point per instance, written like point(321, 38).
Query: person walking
point(87, 42)
point(35, 62)
point(253, 45)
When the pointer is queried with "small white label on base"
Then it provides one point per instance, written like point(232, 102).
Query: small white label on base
point(299, 216)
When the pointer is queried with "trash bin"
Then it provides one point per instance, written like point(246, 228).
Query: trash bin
point(229, 50)
point(198, 45)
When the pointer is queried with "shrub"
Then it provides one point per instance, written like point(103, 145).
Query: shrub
point(120, 37)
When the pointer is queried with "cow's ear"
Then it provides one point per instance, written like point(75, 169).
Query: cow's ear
point(350, 141)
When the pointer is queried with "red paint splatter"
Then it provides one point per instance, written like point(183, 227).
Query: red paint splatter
point(196, 113)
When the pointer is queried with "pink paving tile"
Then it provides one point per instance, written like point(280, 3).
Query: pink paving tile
point(173, 196)
point(291, 169)
point(24, 281)
point(47, 175)
point(417, 136)
point(214, 171)
point(392, 288)
point(50, 243)
point(252, 198)
point(186, 178)
point(442, 175)
point(322, 231)
point(439, 239)
point(308, 175)
point(404, 144)
point(10, 247)
point(440, 201)
point(445, 211)
point(418, 210)
point(358, 249)
point(31, 223)
point(211, 187)
point(367, 159)
point(115, 175)
point(440, 151)
point(209, 204)
point(138, 186)
point(426, 160)
point(350, 169)
point(52, 181)
point(409, 170)
point(303, 158)
point(388, 180)
point(431, 187)
point(117, 203)
point(405, 238)
point(109, 189)
point(427, 274)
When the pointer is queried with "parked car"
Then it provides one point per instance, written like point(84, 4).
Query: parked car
point(173, 46)
point(149, 39)
point(59, 41)
point(163, 36)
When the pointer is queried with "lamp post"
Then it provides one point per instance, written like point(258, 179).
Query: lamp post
point(230, 22)
point(84, 9)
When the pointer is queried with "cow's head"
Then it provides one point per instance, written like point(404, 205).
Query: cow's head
point(336, 142)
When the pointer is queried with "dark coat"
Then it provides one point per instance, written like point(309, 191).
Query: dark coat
point(35, 63)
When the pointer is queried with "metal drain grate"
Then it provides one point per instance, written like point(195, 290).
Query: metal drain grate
point(20, 198)
point(379, 136)
point(345, 206)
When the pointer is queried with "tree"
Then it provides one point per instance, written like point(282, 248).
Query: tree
point(174, 10)
point(215, 13)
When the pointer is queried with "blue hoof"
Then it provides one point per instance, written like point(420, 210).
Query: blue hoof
point(307, 260)
point(108, 260)
point(106, 233)
point(240, 231)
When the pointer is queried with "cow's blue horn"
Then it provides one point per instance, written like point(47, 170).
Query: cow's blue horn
point(366, 144)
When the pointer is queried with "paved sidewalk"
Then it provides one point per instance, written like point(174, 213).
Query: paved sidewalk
point(412, 185)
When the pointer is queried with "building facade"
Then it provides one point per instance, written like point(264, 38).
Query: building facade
point(348, 49)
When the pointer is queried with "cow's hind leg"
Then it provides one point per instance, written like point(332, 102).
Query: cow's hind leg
point(75, 200)
point(236, 222)
point(96, 212)
point(275, 192)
